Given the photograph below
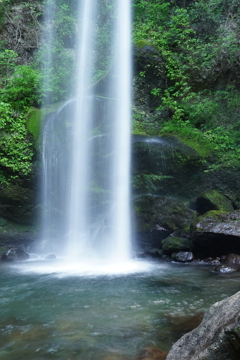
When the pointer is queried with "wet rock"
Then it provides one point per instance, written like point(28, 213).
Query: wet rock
point(183, 256)
point(216, 237)
point(216, 338)
point(175, 244)
point(224, 269)
point(213, 200)
point(212, 261)
point(14, 254)
point(233, 260)
point(183, 324)
point(151, 353)
point(230, 264)
point(155, 253)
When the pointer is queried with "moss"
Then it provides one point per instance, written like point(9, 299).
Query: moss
point(213, 200)
point(34, 119)
point(140, 44)
point(173, 244)
point(192, 139)
point(212, 214)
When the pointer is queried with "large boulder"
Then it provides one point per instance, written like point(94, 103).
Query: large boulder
point(159, 216)
point(216, 338)
point(173, 244)
point(213, 200)
point(217, 236)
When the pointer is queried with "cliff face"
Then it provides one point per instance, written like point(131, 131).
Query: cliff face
point(21, 28)
point(186, 85)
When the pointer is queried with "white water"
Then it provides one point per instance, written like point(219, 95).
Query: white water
point(87, 163)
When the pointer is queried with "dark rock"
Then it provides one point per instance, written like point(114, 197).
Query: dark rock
point(183, 256)
point(155, 253)
point(15, 254)
point(185, 323)
point(213, 200)
point(216, 338)
point(216, 237)
point(175, 244)
point(17, 203)
point(160, 216)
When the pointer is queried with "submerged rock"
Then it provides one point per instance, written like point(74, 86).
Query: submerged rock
point(216, 338)
point(174, 244)
point(151, 353)
point(184, 323)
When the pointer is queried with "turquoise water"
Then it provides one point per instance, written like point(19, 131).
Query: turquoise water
point(49, 313)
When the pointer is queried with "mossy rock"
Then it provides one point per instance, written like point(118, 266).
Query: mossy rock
point(174, 244)
point(34, 119)
point(213, 200)
point(161, 212)
point(141, 44)
point(212, 214)
point(34, 122)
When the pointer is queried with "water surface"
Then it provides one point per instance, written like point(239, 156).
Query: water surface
point(52, 310)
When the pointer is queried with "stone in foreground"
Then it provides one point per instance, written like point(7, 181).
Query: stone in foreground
point(216, 338)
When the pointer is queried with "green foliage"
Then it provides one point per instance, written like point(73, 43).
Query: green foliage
point(22, 89)
point(199, 43)
point(16, 151)
point(7, 64)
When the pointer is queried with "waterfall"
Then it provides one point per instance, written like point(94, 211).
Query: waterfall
point(86, 148)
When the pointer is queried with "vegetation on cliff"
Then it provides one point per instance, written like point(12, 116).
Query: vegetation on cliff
point(199, 44)
point(195, 63)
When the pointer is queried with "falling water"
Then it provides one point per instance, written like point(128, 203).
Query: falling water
point(87, 162)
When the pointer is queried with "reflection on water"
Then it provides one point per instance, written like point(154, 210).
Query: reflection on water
point(49, 313)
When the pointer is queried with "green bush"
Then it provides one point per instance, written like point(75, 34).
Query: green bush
point(22, 89)
point(16, 151)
